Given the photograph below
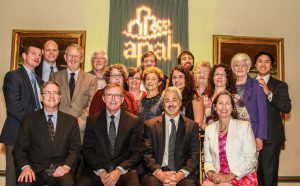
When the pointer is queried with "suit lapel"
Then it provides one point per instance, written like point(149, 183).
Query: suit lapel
point(271, 84)
point(43, 126)
point(59, 132)
point(161, 130)
point(121, 130)
point(101, 124)
point(180, 134)
point(78, 83)
point(65, 82)
point(248, 90)
point(28, 83)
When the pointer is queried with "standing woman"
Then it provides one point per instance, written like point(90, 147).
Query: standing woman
point(229, 147)
point(252, 96)
point(151, 105)
point(201, 73)
point(116, 73)
point(133, 85)
point(192, 103)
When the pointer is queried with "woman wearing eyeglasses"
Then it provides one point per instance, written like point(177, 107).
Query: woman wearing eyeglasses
point(115, 73)
point(192, 102)
point(252, 96)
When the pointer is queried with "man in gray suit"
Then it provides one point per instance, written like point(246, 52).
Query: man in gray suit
point(77, 87)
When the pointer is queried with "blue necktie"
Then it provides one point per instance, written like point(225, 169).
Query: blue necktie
point(36, 97)
point(72, 84)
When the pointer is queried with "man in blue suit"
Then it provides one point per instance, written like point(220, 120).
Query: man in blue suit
point(21, 92)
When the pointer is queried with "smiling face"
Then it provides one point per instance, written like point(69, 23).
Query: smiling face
point(73, 58)
point(178, 79)
point(113, 98)
point(134, 82)
point(240, 68)
point(99, 62)
point(50, 51)
point(50, 97)
point(201, 75)
point(116, 76)
point(171, 103)
point(186, 61)
point(152, 82)
point(220, 77)
point(149, 62)
point(32, 58)
point(263, 65)
point(223, 107)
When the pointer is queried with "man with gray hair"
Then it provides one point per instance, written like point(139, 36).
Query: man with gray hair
point(163, 136)
point(99, 61)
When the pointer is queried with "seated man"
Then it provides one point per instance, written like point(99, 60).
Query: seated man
point(171, 145)
point(48, 145)
point(111, 143)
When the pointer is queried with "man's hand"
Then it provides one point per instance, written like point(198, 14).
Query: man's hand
point(259, 144)
point(27, 175)
point(167, 178)
point(61, 170)
point(104, 176)
point(265, 87)
point(114, 177)
point(179, 176)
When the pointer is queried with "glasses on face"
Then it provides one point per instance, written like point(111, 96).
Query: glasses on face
point(243, 65)
point(220, 75)
point(73, 56)
point(99, 59)
point(134, 78)
point(177, 77)
point(152, 61)
point(202, 73)
point(49, 93)
point(116, 76)
point(116, 96)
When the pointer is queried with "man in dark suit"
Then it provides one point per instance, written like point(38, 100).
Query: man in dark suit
point(50, 53)
point(111, 143)
point(48, 144)
point(21, 92)
point(278, 101)
point(171, 145)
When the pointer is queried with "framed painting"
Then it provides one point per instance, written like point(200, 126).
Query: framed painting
point(23, 38)
point(225, 47)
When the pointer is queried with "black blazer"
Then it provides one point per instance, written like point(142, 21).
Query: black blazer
point(187, 144)
point(96, 148)
point(35, 148)
point(19, 99)
point(39, 69)
point(281, 102)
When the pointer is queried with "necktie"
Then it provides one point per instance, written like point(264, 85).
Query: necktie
point(35, 91)
point(72, 84)
point(112, 135)
point(51, 69)
point(172, 139)
point(51, 127)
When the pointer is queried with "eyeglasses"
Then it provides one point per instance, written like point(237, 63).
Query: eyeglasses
point(99, 59)
point(134, 78)
point(116, 76)
point(149, 61)
point(202, 73)
point(116, 96)
point(240, 65)
point(49, 93)
point(73, 56)
point(177, 77)
point(220, 75)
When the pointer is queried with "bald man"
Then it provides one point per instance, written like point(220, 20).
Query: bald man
point(50, 53)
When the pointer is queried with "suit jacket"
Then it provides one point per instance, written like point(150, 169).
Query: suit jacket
point(255, 101)
point(186, 145)
point(281, 102)
point(19, 99)
point(96, 148)
point(78, 106)
point(35, 148)
point(39, 69)
point(240, 148)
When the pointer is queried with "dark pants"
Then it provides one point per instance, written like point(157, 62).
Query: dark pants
point(91, 179)
point(10, 167)
point(268, 162)
point(43, 179)
point(153, 181)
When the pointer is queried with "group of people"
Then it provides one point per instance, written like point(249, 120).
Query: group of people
point(131, 126)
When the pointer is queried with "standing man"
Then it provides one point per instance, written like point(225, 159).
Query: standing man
point(171, 144)
point(99, 61)
point(21, 92)
point(77, 87)
point(48, 143)
point(111, 142)
point(278, 101)
point(50, 52)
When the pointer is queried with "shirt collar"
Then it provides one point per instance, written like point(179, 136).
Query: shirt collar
point(176, 119)
point(266, 77)
point(53, 113)
point(117, 115)
point(76, 72)
point(47, 66)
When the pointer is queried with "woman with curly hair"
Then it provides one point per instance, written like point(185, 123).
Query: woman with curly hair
point(192, 102)
point(220, 78)
point(116, 73)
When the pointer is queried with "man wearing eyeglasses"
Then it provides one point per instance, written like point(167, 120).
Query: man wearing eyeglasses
point(50, 53)
point(99, 61)
point(111, 143)
point(77, 87)
point(48, 144)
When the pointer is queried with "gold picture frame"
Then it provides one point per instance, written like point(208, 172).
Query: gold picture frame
point(22, 38)
point(226, 46)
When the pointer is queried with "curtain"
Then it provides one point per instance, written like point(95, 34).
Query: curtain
point(136, 26)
